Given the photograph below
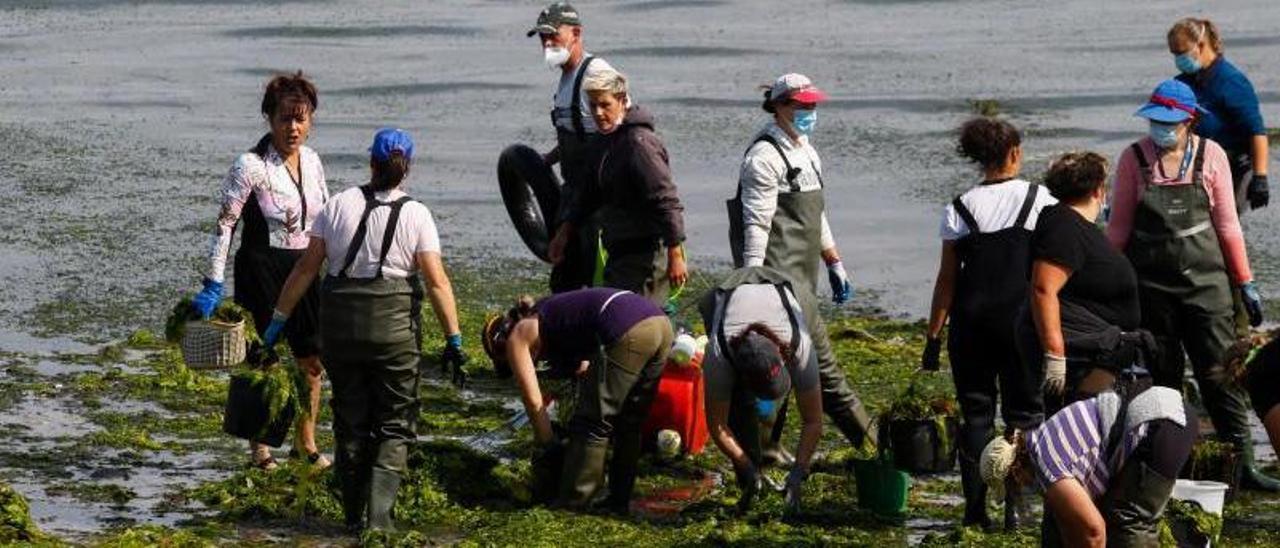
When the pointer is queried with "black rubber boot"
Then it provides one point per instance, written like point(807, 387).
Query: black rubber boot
point(974, 435)
point(354, 487)
point(975, 495)
point(352, 471)
point(383, 487)
point(583, 474)
point(1252, 478)
point(1017, 510)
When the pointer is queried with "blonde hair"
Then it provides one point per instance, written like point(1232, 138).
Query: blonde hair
point(1196, 30)
point(606, 81)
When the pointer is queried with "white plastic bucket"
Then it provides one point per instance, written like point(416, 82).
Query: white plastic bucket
point(1210, 495)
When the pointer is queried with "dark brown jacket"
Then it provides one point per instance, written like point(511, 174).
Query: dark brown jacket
point(637, 198)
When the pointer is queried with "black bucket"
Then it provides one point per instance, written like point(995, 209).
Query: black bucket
point(247, 415)
point(922, 446)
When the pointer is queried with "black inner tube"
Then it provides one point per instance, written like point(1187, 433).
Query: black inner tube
point(531, 193)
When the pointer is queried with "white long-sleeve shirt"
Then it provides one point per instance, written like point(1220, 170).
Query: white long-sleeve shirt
point(267, 180)
point(763, 177)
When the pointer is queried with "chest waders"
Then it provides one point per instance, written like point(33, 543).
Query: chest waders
point(370, 336)
point(744, 421)
point(613, 401)
point(1186, 297)
point(795, 235)
point(795, 248)
point(991, 291)
point(579, 151)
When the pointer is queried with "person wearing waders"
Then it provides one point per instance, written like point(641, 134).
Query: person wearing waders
point(982, 287)
point(641, 217)
point(377, 241)
point(777, 219)
point(616, 342)
point(277, 188)
point(1173, 214)
point(1106, 466)
point(761, 347)
point(1084, 294)
point(573, 247)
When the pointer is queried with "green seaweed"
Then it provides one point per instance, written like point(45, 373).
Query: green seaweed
point(929, 396)
point(227, 311)
point(1192, 516)
point(985, 107)
point(111, 493)
point(15, 523)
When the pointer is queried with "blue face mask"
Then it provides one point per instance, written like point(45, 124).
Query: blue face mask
point(1186, 63)
point(1164, 135)
point(764, 408)
point(804, 120)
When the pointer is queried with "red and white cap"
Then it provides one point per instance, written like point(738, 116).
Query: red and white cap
point(796, 87)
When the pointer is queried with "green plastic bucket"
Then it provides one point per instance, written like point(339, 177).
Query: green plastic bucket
point(882, 488)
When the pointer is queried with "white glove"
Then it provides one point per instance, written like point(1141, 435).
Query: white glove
point(1055, 374)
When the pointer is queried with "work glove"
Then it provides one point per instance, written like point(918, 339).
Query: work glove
point(1258, 194)
point(748, 479)
point(932, 352)
point(206, 301)
point(795, 481)
point(841, 289)
point(272, 334)
point(1252, 302)
point(453, 358)
point(1055, 374)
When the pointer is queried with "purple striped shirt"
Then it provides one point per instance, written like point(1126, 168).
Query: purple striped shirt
point(1069, 445)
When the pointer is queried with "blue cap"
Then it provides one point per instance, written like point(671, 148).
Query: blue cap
point(1172, 102)
point(389, 140)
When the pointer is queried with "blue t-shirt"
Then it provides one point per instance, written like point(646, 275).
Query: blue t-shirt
point(1232, 117)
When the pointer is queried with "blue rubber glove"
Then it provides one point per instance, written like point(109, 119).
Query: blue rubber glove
point(1252, 302)
point(272, 333)
point(454, 358)
point(206, 301)
point(841, 289)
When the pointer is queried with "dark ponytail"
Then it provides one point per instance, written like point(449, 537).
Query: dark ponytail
point(768, 101)
point(389, 173)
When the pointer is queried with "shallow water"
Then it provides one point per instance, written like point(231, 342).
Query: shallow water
point(119, 117)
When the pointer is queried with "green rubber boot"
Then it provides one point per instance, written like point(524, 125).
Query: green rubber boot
point(1253, 479)
point(383, 487)
point(583, 474)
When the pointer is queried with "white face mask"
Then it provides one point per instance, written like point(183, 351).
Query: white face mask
point(555, 57)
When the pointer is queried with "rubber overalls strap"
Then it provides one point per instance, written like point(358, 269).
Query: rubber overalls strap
point(575, 102)
point(795, 234)
point(994, 266)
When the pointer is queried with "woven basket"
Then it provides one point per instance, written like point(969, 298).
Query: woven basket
point(213, 344)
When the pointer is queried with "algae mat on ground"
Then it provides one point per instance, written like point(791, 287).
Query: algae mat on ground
point(457, 495)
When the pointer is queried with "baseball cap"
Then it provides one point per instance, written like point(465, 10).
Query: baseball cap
point(759, 363)
point(1172, 102)
point(389, 140)
point(796, 87)
point(550, 19)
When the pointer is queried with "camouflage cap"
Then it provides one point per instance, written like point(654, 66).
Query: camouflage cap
point(549, 21)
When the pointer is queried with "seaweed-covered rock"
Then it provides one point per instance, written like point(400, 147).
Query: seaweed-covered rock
point(16, 524)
